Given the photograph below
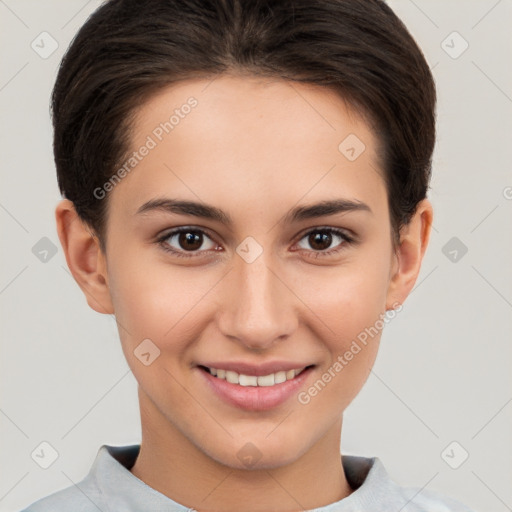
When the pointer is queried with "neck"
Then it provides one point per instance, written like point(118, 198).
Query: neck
point(169, 463)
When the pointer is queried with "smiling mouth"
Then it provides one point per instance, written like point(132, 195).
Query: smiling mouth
point(269, 380)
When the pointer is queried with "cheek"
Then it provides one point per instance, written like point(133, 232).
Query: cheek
point(349, 324)
point(157, 301)
point(347, 298)
point(348, 304)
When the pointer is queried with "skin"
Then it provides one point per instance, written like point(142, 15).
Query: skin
point(256, 149)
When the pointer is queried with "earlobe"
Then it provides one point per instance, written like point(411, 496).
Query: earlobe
point(414, 238)
point(84, 257)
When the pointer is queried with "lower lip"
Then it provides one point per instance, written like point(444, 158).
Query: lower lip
point(255, 398)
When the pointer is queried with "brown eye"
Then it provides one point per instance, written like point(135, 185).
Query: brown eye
point(321, 240)
point(183, 240)
point(190, 240)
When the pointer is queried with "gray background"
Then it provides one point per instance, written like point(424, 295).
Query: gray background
point(443, 372)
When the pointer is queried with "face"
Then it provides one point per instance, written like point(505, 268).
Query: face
point(250, 279)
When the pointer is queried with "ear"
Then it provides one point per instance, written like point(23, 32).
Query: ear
point(84, 257)
point(414, 238)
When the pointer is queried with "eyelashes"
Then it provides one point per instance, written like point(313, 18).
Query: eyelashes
point(331, 232)
point(163, 241)
point(198, 236)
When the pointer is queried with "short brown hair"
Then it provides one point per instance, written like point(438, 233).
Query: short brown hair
point(128, 50)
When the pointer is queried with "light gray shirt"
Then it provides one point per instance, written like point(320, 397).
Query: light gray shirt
point(110, 487)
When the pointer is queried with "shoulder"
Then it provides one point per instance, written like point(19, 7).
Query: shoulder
point(375, 490)
point(81, 497)
point(107, 481)
point(423, 500)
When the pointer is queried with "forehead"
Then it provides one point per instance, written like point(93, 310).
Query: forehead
point(272, 111)
point(249, 141)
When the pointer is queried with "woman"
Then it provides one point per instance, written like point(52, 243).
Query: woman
point(245, 189)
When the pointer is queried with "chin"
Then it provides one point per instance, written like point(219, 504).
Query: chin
point(258, 452)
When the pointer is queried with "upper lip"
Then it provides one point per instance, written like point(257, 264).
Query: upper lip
point(257, 370)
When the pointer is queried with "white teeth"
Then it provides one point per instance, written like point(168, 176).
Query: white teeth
point(266, 380)
point(232, 377)
point(252, 380)
point(246, 380)
point(280, 377)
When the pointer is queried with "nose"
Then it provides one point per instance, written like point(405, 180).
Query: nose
point(258, 308)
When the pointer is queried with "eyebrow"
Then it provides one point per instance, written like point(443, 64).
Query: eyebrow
point(311, 211)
